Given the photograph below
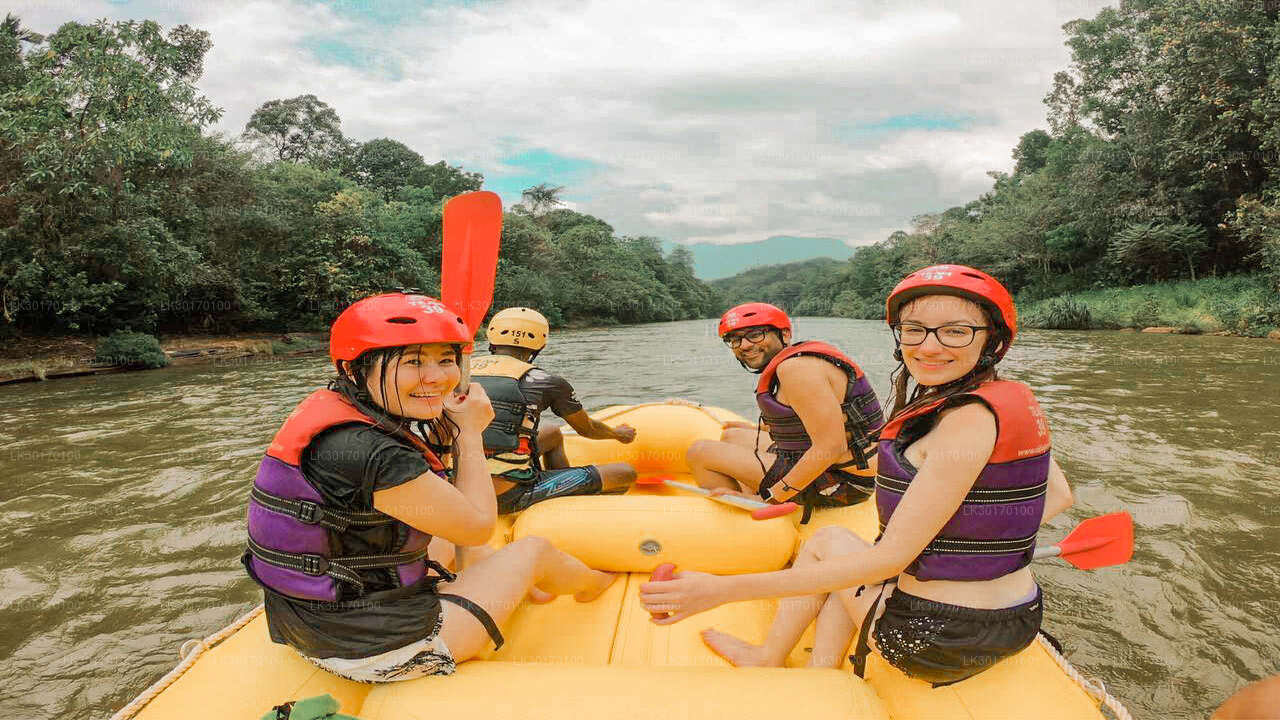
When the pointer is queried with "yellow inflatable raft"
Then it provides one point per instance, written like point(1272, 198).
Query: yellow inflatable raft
point(567, 660)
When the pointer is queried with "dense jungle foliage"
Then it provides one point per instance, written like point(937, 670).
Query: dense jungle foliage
point(1159, 165)
point(118, 210)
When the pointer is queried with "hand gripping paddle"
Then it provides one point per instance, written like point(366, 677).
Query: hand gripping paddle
point(469, 261)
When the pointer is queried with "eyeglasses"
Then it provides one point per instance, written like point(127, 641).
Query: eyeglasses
point(753, 335)
point(952, 336)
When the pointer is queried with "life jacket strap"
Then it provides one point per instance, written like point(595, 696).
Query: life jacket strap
point(312, 513)
point(480, 614)
point(976, 496)
point(863, 648)
point(977, 547)
point(340, 568)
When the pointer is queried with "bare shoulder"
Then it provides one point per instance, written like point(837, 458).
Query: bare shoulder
point(968, 423)
point(805, 368)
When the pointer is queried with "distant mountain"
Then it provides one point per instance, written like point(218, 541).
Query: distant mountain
point(712, 262)
point(806, 287)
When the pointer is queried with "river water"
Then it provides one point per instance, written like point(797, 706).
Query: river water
point(122, 501)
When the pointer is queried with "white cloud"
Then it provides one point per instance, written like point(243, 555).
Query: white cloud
point(712, 121)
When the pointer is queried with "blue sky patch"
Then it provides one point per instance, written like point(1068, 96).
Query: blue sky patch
point(336, 51)
point(378, 12)
point(531, 167)
point(925, 120)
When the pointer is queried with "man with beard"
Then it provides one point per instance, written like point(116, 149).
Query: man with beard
point(819, 411)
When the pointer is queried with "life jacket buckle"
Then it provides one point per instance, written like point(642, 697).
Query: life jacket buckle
point(445, 575)
point(315, 564)
point(309, 512)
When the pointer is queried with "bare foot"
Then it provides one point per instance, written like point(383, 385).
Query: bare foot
point(602, 583)
point(540, 597)
point(737, 651)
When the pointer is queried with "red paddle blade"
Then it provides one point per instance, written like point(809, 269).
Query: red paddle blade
point(773, 511)
point(1099, 542)
point(472, 231)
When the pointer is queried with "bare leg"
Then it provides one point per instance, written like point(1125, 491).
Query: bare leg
point(615, 477)
point(551, 445)
point(832, 635)
point(499, 582)
point(795, 614)
point(746, 438)
point(725, 465)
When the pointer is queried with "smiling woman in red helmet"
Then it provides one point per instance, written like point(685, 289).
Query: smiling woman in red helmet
point(964, 480)
point(349, 496)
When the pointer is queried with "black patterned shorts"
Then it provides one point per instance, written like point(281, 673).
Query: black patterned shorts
point(943, 644)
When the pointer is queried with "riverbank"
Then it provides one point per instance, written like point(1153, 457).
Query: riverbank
point(46, 358)
point(1242, 305)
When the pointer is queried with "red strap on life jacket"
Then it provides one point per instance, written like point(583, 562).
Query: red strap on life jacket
point(1022, 430)
point(808, 347)
point(320, 411)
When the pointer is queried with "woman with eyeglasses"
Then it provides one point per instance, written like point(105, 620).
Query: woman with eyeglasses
point(964, 480)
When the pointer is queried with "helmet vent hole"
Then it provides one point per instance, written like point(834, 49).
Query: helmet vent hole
point(402, 320)
point(969, 274)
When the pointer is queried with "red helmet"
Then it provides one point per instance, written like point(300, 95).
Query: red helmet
point(392, 320)
point(754, 315)
point(961, 281)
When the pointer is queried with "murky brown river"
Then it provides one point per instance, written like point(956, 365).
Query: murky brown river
point(122, 502)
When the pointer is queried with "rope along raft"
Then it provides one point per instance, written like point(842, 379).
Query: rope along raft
point(1093, 686)
point(190, 651)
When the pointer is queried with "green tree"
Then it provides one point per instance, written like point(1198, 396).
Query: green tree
point(542, 197)
point(101, 128)
point(386, 165)
point(1029, 154)
point(299, 129)
point(445, 180)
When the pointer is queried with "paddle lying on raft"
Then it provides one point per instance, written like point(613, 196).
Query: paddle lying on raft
point(469, 261)
point(759, 510)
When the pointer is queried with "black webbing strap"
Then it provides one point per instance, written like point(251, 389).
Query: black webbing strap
point(311, 513)
point(976, 496)
point(480, 614)
point(977, 547)
point(863, 648)
point(981, 547)
point(340, 568)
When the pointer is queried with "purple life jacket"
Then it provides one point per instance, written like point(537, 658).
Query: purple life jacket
point(289, 526)
point(993, 532)
point(861, 409)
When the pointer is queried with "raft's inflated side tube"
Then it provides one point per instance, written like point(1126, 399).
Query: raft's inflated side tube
point(663, 435)
point(637, 533)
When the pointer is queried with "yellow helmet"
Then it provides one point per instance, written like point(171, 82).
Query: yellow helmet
point(519, 326)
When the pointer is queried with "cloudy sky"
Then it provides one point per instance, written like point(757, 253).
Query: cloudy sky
point(704, 121)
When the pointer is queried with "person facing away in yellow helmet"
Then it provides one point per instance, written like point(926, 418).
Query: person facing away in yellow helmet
point(527, 460)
